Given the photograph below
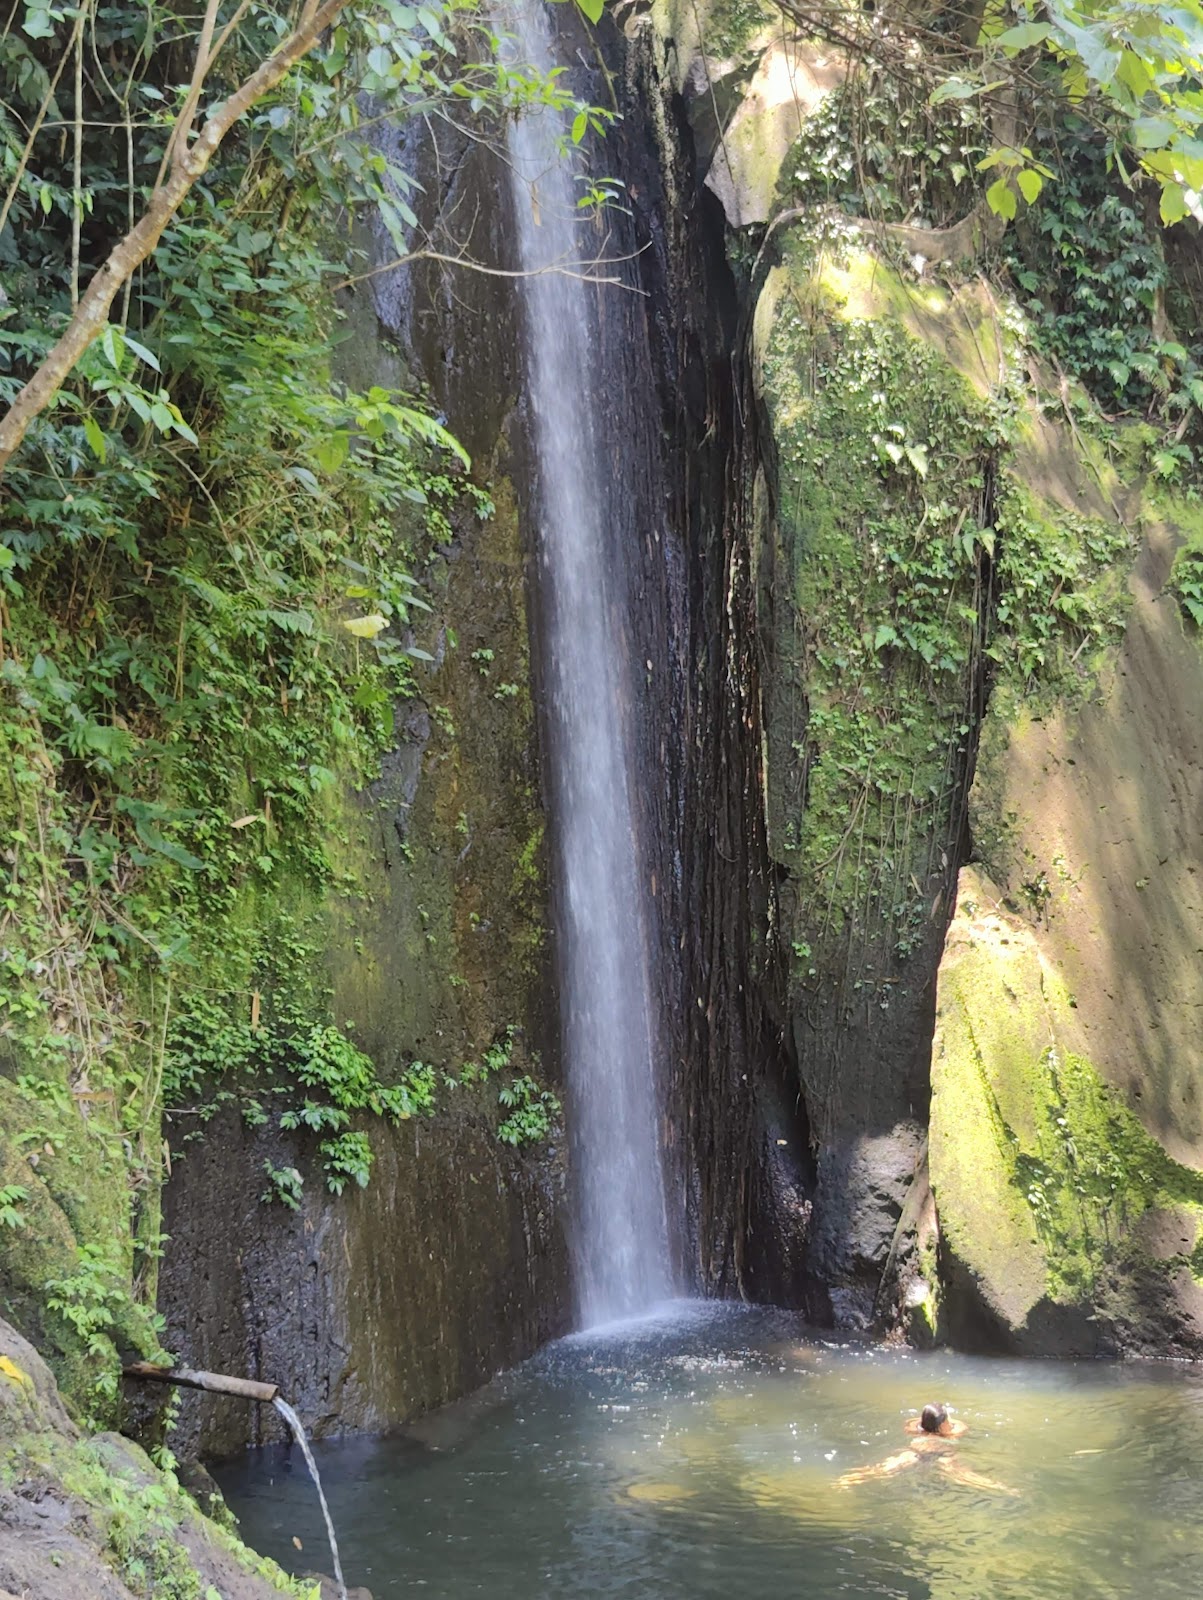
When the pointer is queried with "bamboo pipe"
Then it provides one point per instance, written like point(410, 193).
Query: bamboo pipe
point(213, 1382)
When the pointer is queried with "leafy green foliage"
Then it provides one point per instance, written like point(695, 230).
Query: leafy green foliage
point(531, 1111)
point(1145, 59)
point(880, 147)
point(12, 1198)
point(284, 1184)
point(94, 1302)
point(1094, 270)
point(346, 1159)
point(1186, 582)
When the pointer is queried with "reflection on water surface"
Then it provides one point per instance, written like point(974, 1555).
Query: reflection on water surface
point(698, 1453)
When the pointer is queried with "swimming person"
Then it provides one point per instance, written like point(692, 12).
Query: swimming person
point(933, 1431)
point(934, 1421)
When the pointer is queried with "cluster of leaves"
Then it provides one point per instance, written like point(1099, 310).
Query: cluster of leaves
point(1186, 582)
point(339, 1080)
point(12, 1199)
point(880, 146)
point(1145, 60)
point(1101, 298)
point(94, 1301)
point(530, 1112)
point(312, 1075)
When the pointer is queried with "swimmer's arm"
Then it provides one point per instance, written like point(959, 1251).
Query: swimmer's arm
point(882, 1469)
point(973, 1480)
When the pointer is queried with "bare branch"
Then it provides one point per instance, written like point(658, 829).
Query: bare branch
point(554, 267)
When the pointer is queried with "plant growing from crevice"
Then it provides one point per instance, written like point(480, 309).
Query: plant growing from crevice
point(530, 1112)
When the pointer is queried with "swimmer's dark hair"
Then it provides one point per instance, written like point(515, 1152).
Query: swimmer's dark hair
point(932, 1418)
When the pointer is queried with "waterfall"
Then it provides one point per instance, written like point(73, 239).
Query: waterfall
point(620, 1245)
point(298, 1433)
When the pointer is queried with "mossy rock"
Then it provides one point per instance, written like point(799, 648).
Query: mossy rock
point(1065, 1226)
point(91, 1518)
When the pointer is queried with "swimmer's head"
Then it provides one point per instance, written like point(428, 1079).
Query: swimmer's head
point(932, 1418)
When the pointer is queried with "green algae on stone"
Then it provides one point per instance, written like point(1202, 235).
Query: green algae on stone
point(1042, 1177)
point(882, 448)
point(928, 523)
point(110, 1525)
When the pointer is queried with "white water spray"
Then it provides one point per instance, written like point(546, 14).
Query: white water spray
point(621, 1235)
point(298, 1433)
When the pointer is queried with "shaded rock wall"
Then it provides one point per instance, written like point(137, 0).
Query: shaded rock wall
point(370, 1309)
point(1067, 1157)
point(737, 1134)
point(927, 534)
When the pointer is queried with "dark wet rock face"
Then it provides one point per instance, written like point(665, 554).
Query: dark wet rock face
point(366, 1310)
point(372, 1307)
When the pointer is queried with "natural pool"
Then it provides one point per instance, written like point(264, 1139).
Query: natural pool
point(697, 1454)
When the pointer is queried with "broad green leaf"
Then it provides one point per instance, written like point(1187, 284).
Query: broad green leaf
point(1134, 73)
point(592, 8)
point(1173, 204)
point(366, 627)
point(114, 346)
point(579, 123)
point(953, 89)
point(1152, 133)
point(1024, 36)
point(142, 353)
point(154, 840)
point(1000, 197)
point(331, 452)
point(1030, 184)
point(95, 437)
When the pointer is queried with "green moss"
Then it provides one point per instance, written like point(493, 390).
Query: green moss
point(1041, 1174)
point(882, 453)
point(922, 537)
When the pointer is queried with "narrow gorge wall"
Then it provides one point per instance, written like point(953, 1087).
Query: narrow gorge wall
point(371, 1307)
point(941, 559)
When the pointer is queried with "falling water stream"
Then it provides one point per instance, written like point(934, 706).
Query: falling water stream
point(705, 1452)
point(621, 1235)
point(298, 1433)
